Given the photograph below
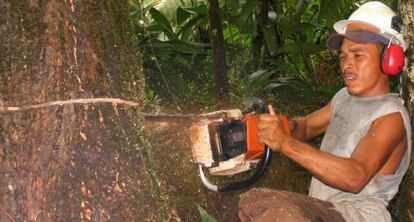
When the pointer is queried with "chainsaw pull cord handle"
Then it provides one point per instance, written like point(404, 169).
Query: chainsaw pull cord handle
point(261, 167)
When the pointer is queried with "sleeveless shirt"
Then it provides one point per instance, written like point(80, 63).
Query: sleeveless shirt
point(350, 122)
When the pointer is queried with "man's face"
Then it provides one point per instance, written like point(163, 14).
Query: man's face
point(360, 65)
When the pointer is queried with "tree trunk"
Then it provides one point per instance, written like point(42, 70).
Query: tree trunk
point(406, 10)
point(219, 55)
point(72, 162)
point(258, 40)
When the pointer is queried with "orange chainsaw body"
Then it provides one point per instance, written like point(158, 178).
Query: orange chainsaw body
point(208, 145)
point(255, 149)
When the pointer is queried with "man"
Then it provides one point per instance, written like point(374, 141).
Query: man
point(366, 148)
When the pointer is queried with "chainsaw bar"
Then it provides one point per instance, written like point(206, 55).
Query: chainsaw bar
point(151, 117)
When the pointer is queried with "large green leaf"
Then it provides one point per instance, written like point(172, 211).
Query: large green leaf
point(247, 10)
point(160, 19)
point(266, 80)
point(205, 217)
point(190, 24)
point(257, 74)
point(182, 15)
point(258, 80)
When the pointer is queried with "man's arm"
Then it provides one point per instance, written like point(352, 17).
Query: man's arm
point(382, 148)
point(314, 124)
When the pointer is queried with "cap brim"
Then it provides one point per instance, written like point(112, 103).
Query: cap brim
point(357, 35)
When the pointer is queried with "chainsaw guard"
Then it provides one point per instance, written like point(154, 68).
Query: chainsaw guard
point(240, 184)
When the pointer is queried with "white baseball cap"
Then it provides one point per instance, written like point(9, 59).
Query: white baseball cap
point(376, 14)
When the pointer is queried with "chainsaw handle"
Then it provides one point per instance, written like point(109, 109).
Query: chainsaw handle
point(267, 156)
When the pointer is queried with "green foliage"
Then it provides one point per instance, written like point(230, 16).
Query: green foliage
point(153, 100)
point(234, 36)
point(293, 43)
point(161, 24)
point(330, 10)
point(205, 217)
point(269, 48)
point(261, 80)
point(247, 10)
point(172, 49)
point(270, 38)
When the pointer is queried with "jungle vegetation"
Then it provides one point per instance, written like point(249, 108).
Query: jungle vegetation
point(274, 51)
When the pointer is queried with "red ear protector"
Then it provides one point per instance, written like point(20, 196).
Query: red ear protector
point(392, 61)
point(392, 57)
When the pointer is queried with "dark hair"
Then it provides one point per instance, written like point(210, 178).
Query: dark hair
point(396, 23)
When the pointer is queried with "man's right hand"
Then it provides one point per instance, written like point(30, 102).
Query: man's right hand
point(270, 130)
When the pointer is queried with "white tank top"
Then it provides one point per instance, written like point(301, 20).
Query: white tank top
point(350, 121)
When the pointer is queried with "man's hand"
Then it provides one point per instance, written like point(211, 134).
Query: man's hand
point(270, 130)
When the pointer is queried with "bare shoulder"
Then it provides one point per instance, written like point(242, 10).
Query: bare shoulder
point(384, 146)
point(390, 126)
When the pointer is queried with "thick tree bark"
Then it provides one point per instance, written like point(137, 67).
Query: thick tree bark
point(406, 10)
point(72, 162)
point(219, 54)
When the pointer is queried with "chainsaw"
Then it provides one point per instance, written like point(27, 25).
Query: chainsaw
point(229, 145)
point(225, 143)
